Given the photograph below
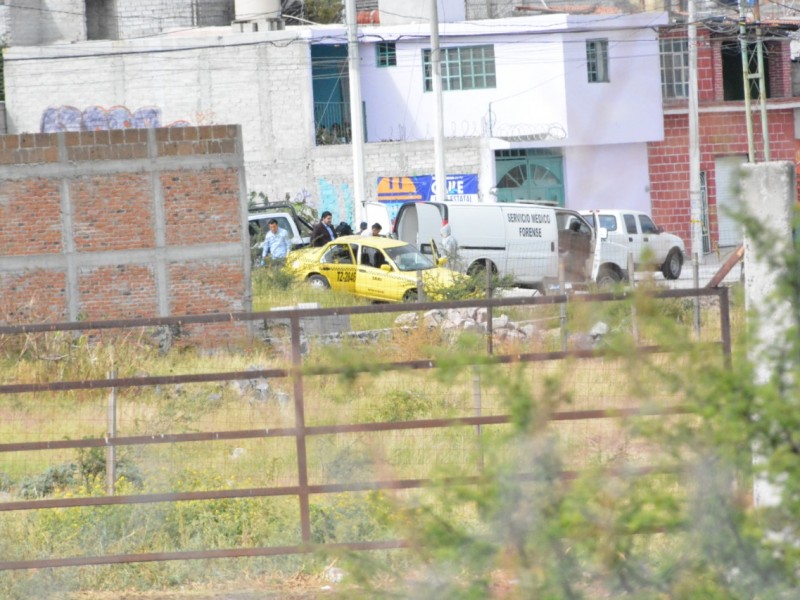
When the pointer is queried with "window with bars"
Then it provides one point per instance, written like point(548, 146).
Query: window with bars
point(675, 67)
point(463, 68)
point(387, 54)
point(597, 60)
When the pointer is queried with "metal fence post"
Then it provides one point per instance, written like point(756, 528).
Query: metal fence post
point(562, 288)
point(632, 282)
point(696, 280)
point(477, 410)
point(489, 314)
point(111, 450)
point(725, 324)
point(300, 431)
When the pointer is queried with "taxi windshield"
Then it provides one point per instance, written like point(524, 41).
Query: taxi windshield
point(408, 258)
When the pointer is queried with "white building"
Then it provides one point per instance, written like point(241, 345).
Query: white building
point(558, 107)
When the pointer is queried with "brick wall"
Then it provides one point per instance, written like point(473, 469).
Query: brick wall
point(721, 134)
point(722, 131)
point(123, 224)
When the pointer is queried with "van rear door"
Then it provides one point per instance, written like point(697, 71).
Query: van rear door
point(375, 212)
point(531, 242)
point(417, 223)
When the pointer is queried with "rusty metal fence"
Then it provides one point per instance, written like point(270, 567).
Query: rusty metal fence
point(301, 374)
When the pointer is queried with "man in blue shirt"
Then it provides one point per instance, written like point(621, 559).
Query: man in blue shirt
point(276, 244)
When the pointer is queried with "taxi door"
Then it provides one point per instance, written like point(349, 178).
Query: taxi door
point(436, 254)
point(375, 282)
point(339, 267)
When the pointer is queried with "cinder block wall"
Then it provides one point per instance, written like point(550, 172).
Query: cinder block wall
point(123, 224)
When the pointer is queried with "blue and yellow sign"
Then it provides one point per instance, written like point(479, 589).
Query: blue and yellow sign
point(395, 190)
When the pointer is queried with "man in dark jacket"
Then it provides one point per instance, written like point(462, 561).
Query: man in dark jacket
point(323, 232)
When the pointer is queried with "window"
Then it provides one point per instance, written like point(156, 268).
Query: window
point(647, 225)
point(467, 68)
point(609, 222)
point(732, 72)
point(630, 224)
point(387, 54)
point(675, 67)
point(597, 60)
point(338, 254)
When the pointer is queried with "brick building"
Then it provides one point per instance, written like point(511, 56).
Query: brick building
point(123, 224)
point(722, 129)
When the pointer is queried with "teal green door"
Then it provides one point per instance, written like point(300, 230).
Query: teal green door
point(529, 175)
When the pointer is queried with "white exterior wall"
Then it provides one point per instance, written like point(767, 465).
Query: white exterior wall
point(148, 17)
point(529, 97)
point(32, 22)
point(611, 176)
point(264, 87)
point(397, 12)
point(263, 82)
point(541, 83)
point(268, 93)
point(629, 107)
point(41, 22)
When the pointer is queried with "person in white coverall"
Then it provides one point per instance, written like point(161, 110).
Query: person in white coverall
point(449, 246)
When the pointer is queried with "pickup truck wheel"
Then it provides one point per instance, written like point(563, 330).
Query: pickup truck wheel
point(672, 266)
point(410, 296)
point(318, 282)
point(607, 277)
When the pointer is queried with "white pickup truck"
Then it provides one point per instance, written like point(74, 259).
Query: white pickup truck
point(259, 216)
point(652, 248)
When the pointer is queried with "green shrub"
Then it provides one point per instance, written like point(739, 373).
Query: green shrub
point(54, 478)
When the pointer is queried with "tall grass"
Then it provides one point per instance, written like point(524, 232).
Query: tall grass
point(530, 393)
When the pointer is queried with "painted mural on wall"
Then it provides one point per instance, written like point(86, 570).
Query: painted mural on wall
point(338, 200)
point(98, 118)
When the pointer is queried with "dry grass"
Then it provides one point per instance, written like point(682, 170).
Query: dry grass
point(365, 394)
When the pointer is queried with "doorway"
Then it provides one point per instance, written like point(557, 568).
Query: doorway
point(530, 174)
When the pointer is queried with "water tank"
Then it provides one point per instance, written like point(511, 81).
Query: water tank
point(252, 10)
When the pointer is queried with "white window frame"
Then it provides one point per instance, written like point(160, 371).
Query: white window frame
point(597, 60)
point(674, 68)
point(463, 68)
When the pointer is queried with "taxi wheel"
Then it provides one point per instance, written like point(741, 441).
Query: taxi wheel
point(318, 282)
point(410, 296)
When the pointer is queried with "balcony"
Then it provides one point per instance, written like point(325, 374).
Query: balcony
point(332, 123)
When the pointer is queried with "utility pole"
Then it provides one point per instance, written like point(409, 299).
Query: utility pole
point(762, 87)
point(695, 197)
point(440, 174)
point(757, 76)
point(356, 119)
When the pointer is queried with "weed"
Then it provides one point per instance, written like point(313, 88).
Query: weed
point(92, 464)
point(271, 278)
point(402, 405)
point(59, 476)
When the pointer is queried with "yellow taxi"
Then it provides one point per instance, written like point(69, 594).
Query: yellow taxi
point(372, 267)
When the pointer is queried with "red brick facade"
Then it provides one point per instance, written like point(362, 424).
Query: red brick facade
point(122, 224)
point(722, 132)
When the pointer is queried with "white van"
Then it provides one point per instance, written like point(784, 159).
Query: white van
point(525, 241)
